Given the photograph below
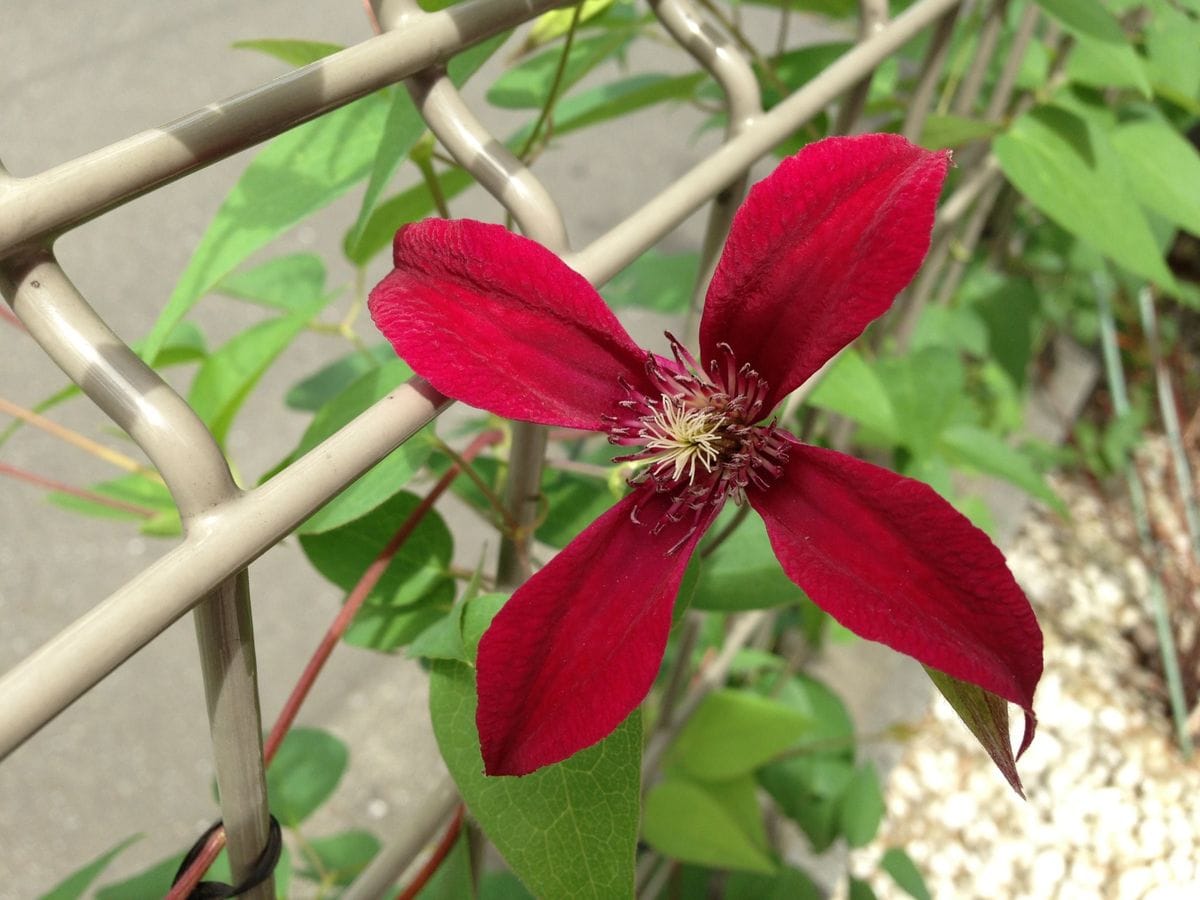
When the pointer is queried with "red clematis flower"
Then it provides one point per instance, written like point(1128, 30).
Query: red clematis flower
point(818, 250)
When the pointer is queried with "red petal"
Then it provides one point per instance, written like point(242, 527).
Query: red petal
point(819, 249)
point(576, 648)
point(895, 563)
point(498, 321)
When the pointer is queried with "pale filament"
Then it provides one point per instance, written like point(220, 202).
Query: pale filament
point(683, 435)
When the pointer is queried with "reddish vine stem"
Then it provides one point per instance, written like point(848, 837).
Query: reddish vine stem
point(64, 488)
point(184, 887)
point(435, 861)
point(8, 316)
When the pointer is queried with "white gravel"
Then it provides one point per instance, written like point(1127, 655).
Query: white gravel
point(1113, 810)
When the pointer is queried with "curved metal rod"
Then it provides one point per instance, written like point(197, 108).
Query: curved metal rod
point(872, 17)
point(511, 182)
point(36, 209)
point(606, 255)
point(743, 103)
point(931, 72)
point(221, 542)
point(177, 442)
point(989, 38)
point(476, 149)
point(128, 391)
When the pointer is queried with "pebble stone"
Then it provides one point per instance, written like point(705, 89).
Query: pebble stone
point(1113, 810)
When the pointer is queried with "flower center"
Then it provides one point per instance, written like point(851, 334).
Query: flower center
point(681, 435)
point(698, 434)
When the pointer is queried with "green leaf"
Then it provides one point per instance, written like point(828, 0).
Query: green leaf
point(291, 283)
point(230, 373)
point(714, 825)
point(1102, 64)
point(618, 98)
point(732, 733)
point(573, 501)
point(1066, 167)
point(73, 886)
point(408, 206)
point(568, 830)
point(859, 889)
point(293, 52)
point(955, 328)
point(862, 807)
point(154, 882)
point(401, 131)
point(292, 177)
point(987, 717)
point(477, 617)
point(953, 131)
point(904, 872)
point(1007, 306)
point(656, 281)
point(808, 790)
point(453, 879)
point(852, 388)
point(831, 728)
point(443, 639)
point(339, 858)
point(925, 388)
point(786, 884)
point(527, 85)
point(986, 451)
point(304, 774)
point(1172, 61)
point(134, 489)
point(1085, 18)
point(554, 24)
point(501, 886)
point(313, 392)
point(413, 592)
point(388, 475)
point(1161, 164)
point(743, 573)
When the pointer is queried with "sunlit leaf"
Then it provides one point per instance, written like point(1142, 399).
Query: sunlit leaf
point(568, 830)
point(732, 733)
point(1163, 168)
point(295, 175)
point(293, 52)
point(339, 858)
point(384, 479)
point(713, 824)
point(786, 884)
point(290, 283)
point(988, 453)
point(343, 553)
point(230, 373)
point(986, 715)
point(904, 872)
point(73, 886)
point(743, 573)
point(862, 807)
point(304, 773)
point(658, 281)
point(1066, 167)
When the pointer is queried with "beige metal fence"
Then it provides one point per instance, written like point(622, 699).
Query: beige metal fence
point(227, 528)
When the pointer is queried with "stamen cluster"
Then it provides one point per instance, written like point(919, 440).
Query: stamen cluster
point(699, 434)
